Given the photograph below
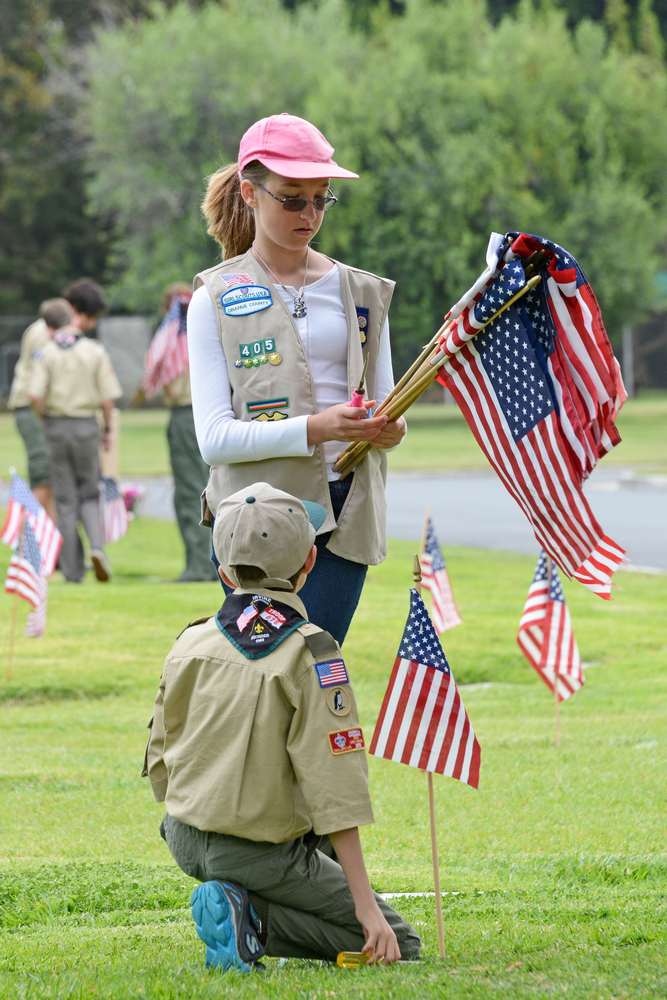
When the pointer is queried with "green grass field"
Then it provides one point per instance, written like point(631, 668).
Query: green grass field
point(556, 870)
point(438, 438)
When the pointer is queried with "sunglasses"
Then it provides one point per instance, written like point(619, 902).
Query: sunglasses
point(298, 204)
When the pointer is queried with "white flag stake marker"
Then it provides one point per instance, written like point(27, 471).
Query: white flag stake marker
point(15, 606)
point(417, 577)
point(556, 698)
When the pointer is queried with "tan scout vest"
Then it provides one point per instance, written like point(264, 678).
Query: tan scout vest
point(360, 535)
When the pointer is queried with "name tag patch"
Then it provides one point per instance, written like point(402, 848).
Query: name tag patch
point(346, 741)
point(331, 672)
point(246, 300)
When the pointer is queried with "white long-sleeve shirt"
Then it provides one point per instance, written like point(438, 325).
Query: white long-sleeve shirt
point(222, 438)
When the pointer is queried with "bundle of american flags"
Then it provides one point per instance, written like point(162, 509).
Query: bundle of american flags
point(167, 357)
point(545, 632)
point(36, 543)
point(423, 721)
point(436, 579)
point(540, 389)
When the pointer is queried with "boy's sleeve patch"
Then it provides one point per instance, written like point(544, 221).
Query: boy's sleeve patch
point(331, 672)
point(346, 740)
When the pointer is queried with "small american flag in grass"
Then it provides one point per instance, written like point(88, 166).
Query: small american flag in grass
point(23, 505)
point(114, 513)
point(25, 577)
point(423, 721)
point(545, 633)
point(436, 579)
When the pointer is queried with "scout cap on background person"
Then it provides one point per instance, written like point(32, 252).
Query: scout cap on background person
point(265, 528)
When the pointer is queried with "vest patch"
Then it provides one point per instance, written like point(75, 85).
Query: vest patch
point(257, 348)
point(236, 279)
point(246, 300)
point(276, 415)
point(362, 320)
point(268, 404)
point(346, 740)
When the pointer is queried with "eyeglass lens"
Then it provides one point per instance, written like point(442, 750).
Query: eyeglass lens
point(319, 204)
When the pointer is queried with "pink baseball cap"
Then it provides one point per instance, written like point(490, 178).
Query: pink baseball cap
point(291, 147)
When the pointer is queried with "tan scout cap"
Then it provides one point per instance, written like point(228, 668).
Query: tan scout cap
point(264, 527)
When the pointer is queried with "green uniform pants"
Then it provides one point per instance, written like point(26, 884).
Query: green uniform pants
point(306, 895)
point(190, 479)
point(31, 429)
point(73, 444)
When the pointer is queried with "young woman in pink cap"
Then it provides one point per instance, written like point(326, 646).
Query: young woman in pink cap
point(278, 335)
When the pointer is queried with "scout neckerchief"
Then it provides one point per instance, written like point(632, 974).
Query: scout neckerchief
point(256, 624)
point(66, 338)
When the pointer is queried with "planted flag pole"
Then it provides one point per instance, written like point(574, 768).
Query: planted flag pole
point(545, 636)
point(435, 578)
point(422, 721)
point(15, 608)
point(417, 577)
point(556, 695)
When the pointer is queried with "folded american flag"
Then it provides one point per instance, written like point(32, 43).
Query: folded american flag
point(167, 357)
point(436, 579)
point(422, 721)
point(113, 511)
point(545, 633)
point(22, 503)
point(517, 398)
point(25, 577)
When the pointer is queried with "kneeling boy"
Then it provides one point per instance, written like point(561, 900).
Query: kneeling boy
point(257, 753)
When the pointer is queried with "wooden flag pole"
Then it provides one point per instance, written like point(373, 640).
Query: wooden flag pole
point(414, 383)
point(417, 577)
point(556, 698)
point(15, 607)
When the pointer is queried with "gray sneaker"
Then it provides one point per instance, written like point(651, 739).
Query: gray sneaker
point(100, 565)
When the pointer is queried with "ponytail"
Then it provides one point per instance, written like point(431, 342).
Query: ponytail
point(230, 221)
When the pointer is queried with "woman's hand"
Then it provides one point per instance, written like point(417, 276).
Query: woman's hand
point(391, 434)
point(343, 423)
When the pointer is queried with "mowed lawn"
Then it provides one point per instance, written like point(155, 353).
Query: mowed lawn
point(438, 438)
point(555, 870)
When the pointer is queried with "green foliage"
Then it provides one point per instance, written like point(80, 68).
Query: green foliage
point(456, 126)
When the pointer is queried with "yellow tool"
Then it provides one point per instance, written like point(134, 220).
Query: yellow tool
point(352, 959)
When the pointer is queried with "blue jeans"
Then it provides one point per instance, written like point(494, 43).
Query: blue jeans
point(333, 586)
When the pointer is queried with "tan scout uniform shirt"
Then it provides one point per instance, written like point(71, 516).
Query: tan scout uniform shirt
point(178, 392)
point(32, 341)
point(75, 380)
point(241, 746)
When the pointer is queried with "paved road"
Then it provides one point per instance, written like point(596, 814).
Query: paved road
point(476, 510)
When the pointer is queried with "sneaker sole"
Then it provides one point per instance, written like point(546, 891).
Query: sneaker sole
point(101, 572)
point(214, 923)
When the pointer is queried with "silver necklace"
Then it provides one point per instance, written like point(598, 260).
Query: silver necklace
point(300, 308)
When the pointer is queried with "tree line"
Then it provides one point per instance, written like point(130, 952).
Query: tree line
point(462, 117)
